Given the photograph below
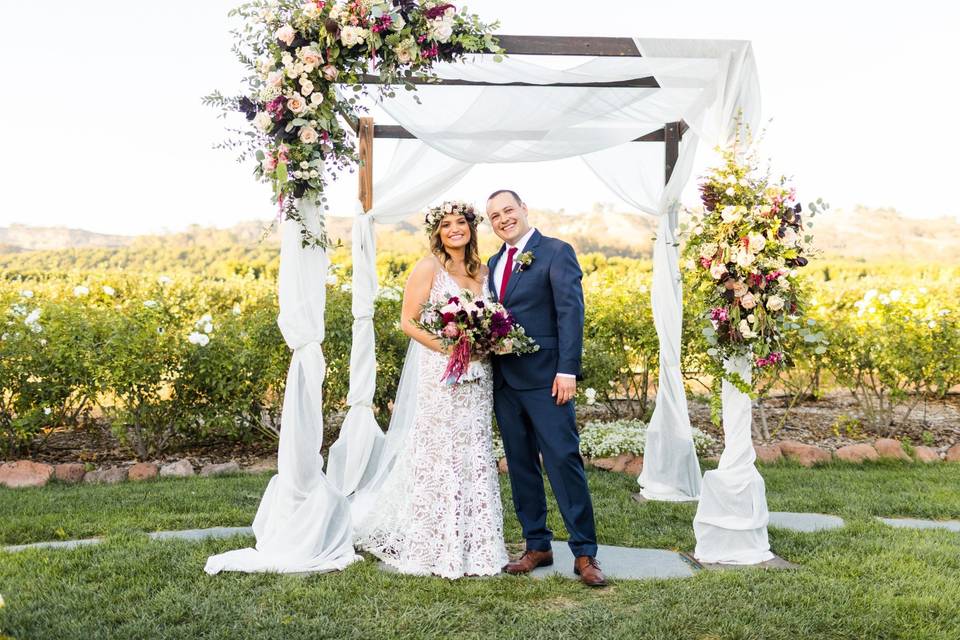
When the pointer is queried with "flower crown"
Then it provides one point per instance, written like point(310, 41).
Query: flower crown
point(451, 207)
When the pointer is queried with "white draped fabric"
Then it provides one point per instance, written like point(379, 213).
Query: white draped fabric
point(731, 520)
point(704, 83)
point(303, 522)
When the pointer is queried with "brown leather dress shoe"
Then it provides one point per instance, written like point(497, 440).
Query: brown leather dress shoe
point(529, 561)
point(589, 571)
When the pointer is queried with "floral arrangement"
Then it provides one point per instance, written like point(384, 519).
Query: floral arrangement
point(307, 59)
point(473, 328)
point(436, 214)
point(525, 259)
point(744, 250)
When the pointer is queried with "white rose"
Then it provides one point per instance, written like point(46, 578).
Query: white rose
point(294, 70)
point(740, 289)
point(316, 98)
point(441, 30)
point(275, 79)
point(449, 308)
point(286, 34)
point(308, 135)
point(263, 121)
point(296, 104)
point(748, 301)
point(784, 283)
point(790, 237)
point(717, 270)
point(310, 57)
point(403, 54)
point(743, 258)
point(306, 87)
point(745, 330)
point(757, 241)
point(351, 36)
point(730, 214)
point(775, 303)
point(310, 9)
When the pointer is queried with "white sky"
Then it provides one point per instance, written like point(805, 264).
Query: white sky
point(101, 125)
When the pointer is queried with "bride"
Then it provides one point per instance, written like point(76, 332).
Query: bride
point(439, 510)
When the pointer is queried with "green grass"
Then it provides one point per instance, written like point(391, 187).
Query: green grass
point(864, 581)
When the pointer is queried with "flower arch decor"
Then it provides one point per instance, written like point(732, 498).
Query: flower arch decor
point(744, 251)
point(307, 61)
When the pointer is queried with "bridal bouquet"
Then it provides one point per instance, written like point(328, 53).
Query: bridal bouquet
point(473, 328)
point(308, 61)
point(744, 252)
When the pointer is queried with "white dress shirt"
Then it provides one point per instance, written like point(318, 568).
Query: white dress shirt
point(502, 264)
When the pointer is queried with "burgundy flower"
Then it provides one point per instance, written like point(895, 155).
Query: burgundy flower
point(500, 325)
point(276, 106)
point(437, 11)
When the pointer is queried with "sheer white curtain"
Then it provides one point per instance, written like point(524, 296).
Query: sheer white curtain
point(671, 471)
point(731, 520)
point(303, 522)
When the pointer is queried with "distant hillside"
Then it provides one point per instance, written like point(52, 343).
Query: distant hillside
point(21, 237)
point(860, 234)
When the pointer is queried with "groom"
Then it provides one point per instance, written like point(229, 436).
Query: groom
point(538, 280)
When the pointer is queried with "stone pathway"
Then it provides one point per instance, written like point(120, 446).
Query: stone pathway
point(622, 563)
point(804, 522)
point(914, 523)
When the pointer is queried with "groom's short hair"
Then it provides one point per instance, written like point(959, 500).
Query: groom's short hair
point(510, 191)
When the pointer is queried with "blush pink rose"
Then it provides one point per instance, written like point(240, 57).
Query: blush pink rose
point(286, 34)
point(451, 331)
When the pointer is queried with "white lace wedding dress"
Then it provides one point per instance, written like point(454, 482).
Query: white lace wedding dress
point(439, 510)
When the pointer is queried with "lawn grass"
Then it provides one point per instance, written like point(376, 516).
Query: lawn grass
point(863, 581)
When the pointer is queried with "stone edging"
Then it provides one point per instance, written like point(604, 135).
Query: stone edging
point(807, 455)
point(26, 473)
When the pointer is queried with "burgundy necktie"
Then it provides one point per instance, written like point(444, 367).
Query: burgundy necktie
point(507, 271)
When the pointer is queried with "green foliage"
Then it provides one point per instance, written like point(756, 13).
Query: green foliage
point(620, 360)
point(114, 341)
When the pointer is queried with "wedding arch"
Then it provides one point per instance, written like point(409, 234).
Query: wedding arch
point(635, 110)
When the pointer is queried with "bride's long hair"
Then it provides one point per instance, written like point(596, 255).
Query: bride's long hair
point(471, 253)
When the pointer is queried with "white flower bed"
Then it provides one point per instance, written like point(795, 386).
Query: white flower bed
point(610, 439)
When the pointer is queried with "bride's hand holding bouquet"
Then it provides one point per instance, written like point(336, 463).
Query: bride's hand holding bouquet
point(470, 329)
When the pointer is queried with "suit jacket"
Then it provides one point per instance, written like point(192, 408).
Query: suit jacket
point(546, 299)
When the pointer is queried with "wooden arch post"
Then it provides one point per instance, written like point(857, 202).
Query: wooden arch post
point(365, 144)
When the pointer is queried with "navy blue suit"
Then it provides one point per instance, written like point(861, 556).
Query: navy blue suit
point(546, 299)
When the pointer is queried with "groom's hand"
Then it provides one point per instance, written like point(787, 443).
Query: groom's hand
point(564, 388)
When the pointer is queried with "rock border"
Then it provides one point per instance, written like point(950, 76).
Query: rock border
point(807, 455)
point(26, 473)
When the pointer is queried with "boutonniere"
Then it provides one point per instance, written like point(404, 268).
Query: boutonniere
point(525, 259)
